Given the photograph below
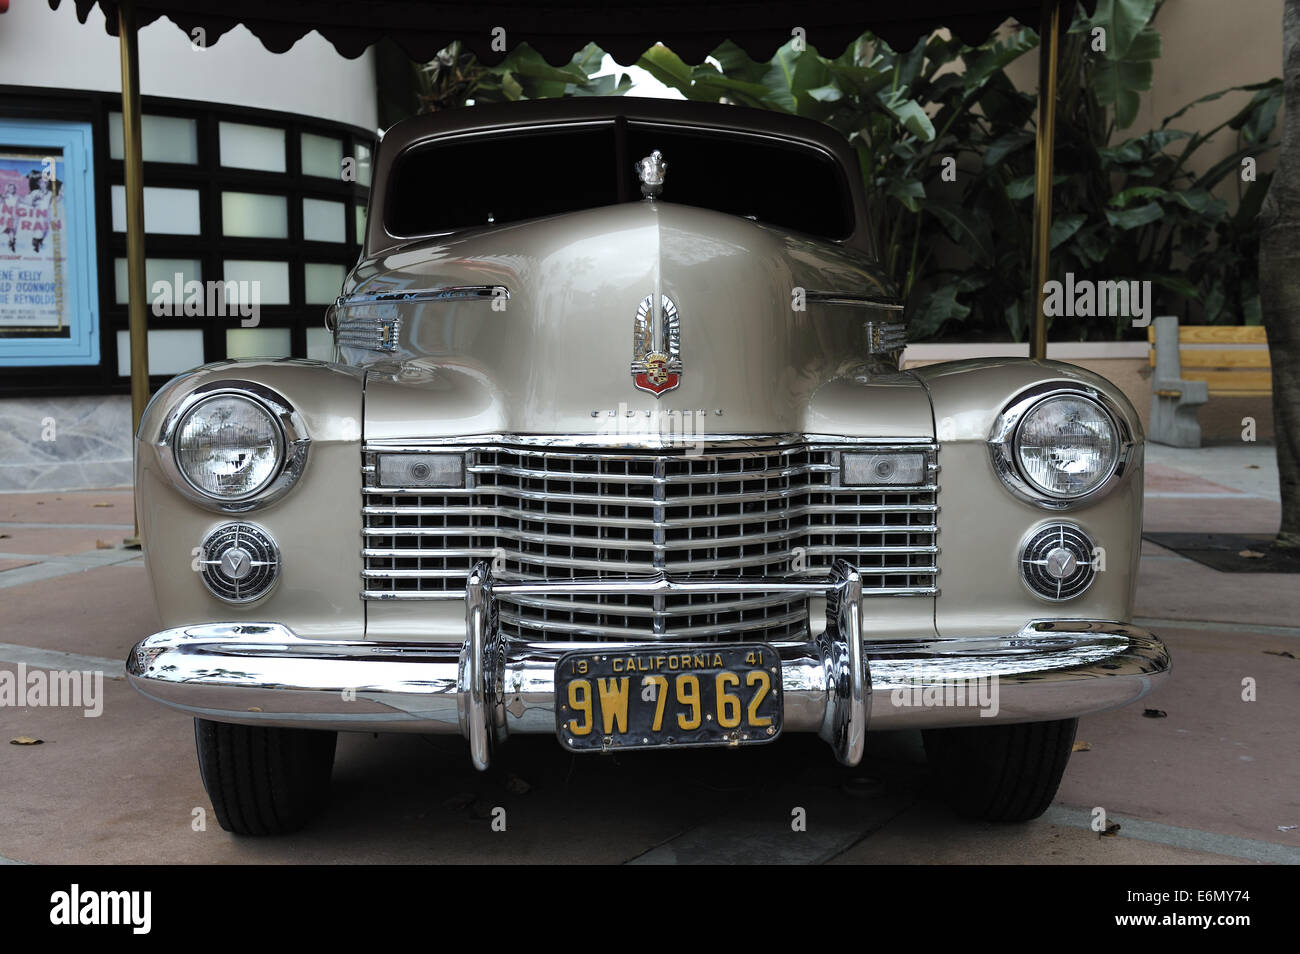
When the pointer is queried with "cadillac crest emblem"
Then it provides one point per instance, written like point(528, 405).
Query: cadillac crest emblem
point(656, 347)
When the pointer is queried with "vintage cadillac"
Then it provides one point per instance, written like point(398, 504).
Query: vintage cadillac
point(616, 448)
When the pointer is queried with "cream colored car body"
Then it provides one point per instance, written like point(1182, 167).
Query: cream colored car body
point(551, 364)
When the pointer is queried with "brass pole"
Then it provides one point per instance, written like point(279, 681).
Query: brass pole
point(133, 165)
point(1048, 43)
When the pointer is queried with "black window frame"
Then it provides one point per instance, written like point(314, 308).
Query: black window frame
point(210, 246)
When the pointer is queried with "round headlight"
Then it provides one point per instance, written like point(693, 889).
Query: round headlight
point(229, 447)
point(1067, 445)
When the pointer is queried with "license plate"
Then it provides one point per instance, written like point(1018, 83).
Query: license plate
point(678, 696)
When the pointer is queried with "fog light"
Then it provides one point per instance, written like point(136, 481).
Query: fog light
point(1056, 562)
point(239, 562)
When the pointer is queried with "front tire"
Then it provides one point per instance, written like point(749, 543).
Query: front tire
point(1002, 773)
point(264, 781)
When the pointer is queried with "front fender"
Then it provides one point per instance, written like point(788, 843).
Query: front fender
point(316, 524)
point(982, 525)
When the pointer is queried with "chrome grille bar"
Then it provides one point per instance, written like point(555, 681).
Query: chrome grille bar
point(661, 527)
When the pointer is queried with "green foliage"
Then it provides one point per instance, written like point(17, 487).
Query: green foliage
point(960, 252)
point(456, 77)
point(1123, 65)
point(902, 115)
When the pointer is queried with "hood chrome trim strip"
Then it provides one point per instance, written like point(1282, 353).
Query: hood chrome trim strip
point(445, 293)
point(857, 301)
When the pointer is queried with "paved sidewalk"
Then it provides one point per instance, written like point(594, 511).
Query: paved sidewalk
point(1213, 782)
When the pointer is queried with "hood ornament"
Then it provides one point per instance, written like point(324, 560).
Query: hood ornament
point(656, 347)
point(652, 170)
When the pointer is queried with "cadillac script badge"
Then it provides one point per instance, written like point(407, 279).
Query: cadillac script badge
point(656, 347)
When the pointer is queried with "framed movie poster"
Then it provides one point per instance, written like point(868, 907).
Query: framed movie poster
point(49, 301)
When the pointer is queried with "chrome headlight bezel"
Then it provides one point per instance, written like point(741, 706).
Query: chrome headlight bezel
point(293, 438)
point(1006, 462)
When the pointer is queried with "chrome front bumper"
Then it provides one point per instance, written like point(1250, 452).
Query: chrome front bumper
point(836, 685)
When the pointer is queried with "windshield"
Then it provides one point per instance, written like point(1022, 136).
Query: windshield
point(526, 174)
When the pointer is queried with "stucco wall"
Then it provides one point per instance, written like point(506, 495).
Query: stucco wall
point(44, 47)
point(1208, 45)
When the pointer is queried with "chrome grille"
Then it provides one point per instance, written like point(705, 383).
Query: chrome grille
point(549, 514)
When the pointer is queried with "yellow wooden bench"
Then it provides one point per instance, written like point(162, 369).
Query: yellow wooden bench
point(1193, 363)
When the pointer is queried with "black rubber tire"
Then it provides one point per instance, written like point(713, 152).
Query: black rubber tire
point(1002, 773)
point(264, 781)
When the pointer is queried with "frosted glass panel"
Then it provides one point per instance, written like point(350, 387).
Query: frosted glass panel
point(361, 224)
point(170, 352)
point(156, 270)
point(252, 147)
point(323, 156)
point(273, 278)
point(323, 282)
point(320, 344)
point(162, 138)
point(323, 221)
point(252, 215)
point(257, 343)
point(363, 164)
point(169, 211)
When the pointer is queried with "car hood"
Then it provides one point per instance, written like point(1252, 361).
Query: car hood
point(555, 358)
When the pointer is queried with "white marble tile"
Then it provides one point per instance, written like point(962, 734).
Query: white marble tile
point(65, 443)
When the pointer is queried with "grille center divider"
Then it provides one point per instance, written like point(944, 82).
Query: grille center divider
point(546, 514)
